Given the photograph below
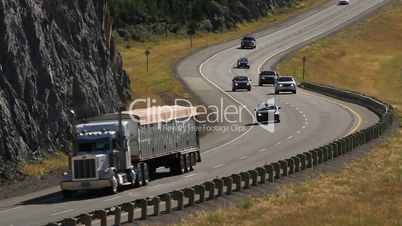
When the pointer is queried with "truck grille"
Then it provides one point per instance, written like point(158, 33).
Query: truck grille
point(84, 169)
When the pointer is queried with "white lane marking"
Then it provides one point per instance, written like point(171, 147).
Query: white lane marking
point(243, 157)
point(303, 127)
point(291, 137)
point(301, 112)
point(263, 150)
point(279, 143)
point(298, 132)
point(11, 209)
point(218, 166)
point(200, 68)
point(111, 199)
point(191, 175)
point(359, 118)
point(62, 212)
point(304, 115)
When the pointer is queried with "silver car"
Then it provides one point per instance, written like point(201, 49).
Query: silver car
point(285, 84)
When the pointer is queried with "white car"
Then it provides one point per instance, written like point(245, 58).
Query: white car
point(285, 84)
point(267, 113)
point(343, 2)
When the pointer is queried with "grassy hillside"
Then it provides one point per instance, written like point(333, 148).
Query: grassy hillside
point(159, 82)
point(366, 57)
point(143, 19)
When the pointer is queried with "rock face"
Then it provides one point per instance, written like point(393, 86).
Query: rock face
point(55, 56)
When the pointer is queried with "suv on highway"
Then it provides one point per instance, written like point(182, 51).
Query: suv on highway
point(266, 113)
point(241, 82)
point(248, 42)
point(285, 84)
point(243, 63)
point(267, 77)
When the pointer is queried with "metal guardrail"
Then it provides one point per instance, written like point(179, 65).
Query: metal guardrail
point(177, 200)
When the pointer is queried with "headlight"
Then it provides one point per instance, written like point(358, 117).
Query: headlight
point(67, 173)
point(259, 114)
point(292, 84)
point(236, 84)
point(248, 83)
point(280, 85)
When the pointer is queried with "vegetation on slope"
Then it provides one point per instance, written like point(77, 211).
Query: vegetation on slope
point(141, 19)
point(366, 57)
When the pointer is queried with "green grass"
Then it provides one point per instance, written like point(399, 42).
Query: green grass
point(159, 82)
point(366, 57)
point(54, 162)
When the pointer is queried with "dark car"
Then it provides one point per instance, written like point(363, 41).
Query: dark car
point(248, 42)
point(266, 113)
point(243, 63)
point(241, 82)
point(267, 77)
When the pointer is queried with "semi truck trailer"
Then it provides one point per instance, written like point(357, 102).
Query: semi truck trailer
point(126, 148)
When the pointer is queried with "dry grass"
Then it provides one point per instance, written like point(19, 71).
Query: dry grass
point(55, 162)
point(366, 57)
point(159, 82)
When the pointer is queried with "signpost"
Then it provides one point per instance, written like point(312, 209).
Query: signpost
point(147, 53)
point(304, 66)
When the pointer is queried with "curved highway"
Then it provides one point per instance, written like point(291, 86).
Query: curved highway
point(308, 120)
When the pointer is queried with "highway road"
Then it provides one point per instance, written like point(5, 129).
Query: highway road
point(308, 120)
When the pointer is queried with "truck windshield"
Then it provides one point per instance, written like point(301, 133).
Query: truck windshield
point(94, 146)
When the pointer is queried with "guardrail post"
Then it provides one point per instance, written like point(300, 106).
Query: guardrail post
point(314, 155)
point(344, 145)
point(102, 215)
point(296, 161)
point(277, 170)
point(350, 143)
point(219, 186)
point(262, 174)
point(167, 198)
point(210, 187)
point(156, 202)
point(320, 153)
point(336, 149)
point(228, 182)
point(178, 196)
point(270, 171)
point(245, 176)
point(291, 165)
point(143, 205)
point(340, 147)
point(85, 219)
point(254, 177)
point(284, 167)
point(324, 153)
point(200, 190)
point(190, 194)
point(302, 159)
point(117, 216)
point(309, 158)
point(69, 222)
point(129, 208)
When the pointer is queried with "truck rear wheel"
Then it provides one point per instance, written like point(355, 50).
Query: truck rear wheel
point(177, 165)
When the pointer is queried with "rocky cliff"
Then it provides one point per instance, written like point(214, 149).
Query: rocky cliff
point(55, 55)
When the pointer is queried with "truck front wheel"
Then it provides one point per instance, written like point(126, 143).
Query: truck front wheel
point(114, 189)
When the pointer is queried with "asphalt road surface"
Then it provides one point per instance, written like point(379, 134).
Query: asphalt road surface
point(308, 120)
